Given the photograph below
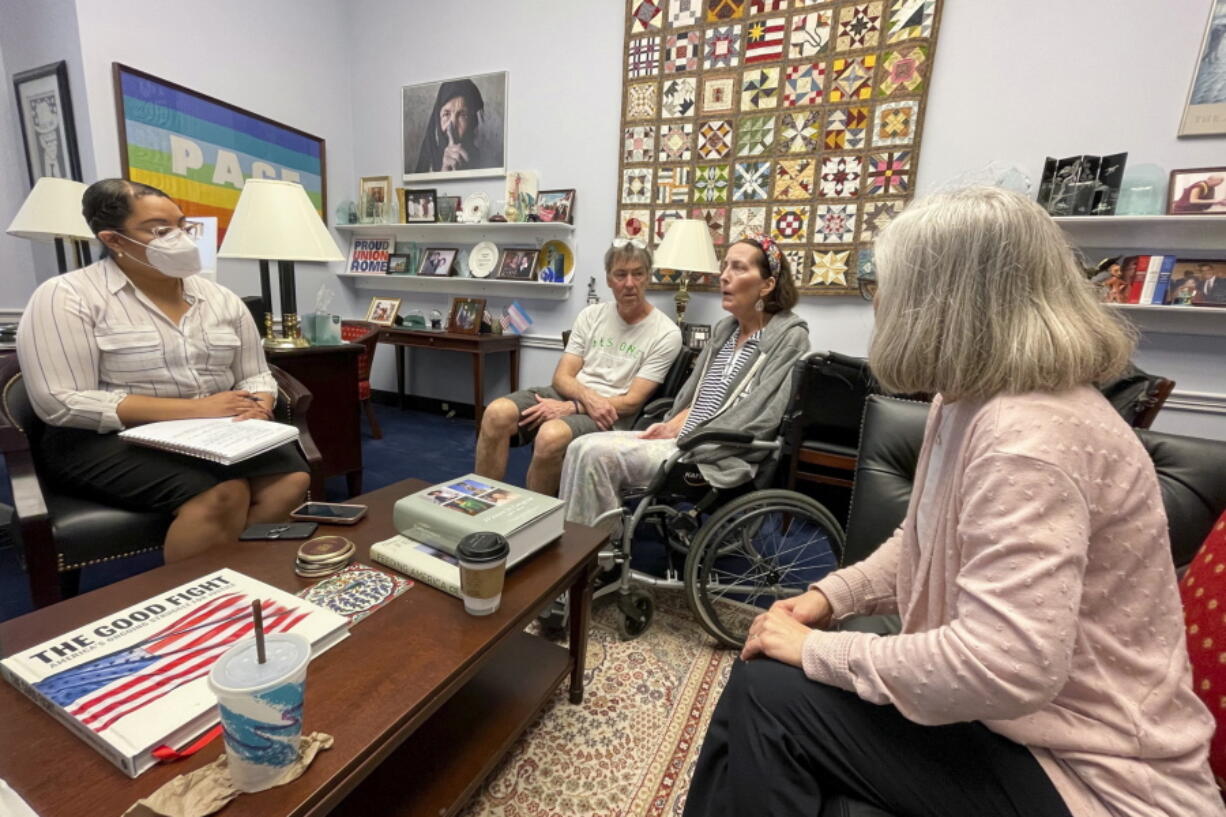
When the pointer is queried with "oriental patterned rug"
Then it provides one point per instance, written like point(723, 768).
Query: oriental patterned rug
point(630, 748)
point(797, 118)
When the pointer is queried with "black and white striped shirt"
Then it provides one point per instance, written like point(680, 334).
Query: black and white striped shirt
point(713, 390)
point(89, 338)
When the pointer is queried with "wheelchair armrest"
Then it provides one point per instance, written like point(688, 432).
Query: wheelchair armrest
point(715, 435)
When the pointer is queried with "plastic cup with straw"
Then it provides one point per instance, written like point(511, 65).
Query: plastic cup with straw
point(259, 684)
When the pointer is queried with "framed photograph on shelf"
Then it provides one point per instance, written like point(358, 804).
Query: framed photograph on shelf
point(556, 205)
point(374, 200)
point(382, 311)
point(1197, 191)
point(454, 129)
point(44, 111)
point(466, 315)
point(437, 261)
point(448, 208)
point(517, 264)
point(370, 255)
point(420, 206)
point(398, 264)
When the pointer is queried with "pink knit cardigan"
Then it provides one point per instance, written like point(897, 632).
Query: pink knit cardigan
point(1042, 602)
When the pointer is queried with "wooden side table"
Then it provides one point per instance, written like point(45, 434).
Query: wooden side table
point(478, 346)
point(331, 373)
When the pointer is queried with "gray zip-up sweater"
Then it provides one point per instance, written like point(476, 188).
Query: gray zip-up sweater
point(759, 395)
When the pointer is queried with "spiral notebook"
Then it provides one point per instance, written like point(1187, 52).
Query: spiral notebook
point(218, 439)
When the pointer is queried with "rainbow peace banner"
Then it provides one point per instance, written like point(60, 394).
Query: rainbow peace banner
point(200, 150)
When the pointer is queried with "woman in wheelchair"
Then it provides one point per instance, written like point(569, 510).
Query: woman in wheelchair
point(1041, 668)
point(139, 337)
point(740, 382)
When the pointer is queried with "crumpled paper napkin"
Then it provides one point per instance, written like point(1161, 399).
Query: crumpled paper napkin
point(208, 789)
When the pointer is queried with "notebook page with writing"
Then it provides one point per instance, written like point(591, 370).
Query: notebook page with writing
point(218, 439)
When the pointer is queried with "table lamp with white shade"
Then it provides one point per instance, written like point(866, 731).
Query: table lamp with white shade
point(687, 248)
point(276, 221)
point(52, 213)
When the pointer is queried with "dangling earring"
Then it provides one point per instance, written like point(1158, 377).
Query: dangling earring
point(118, 254)
point(760, 305)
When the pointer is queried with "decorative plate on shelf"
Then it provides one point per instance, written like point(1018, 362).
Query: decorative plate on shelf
point(483, 259)
point(555, 263)
point(476, 208)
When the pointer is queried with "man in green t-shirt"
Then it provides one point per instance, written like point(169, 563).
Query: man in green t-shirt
point(617, 355)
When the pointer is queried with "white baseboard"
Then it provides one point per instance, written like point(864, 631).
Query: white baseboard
point(1199, 402)
point(552, 342)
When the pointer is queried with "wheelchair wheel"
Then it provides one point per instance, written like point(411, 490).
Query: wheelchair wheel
point(637, 608)
point(755, 550)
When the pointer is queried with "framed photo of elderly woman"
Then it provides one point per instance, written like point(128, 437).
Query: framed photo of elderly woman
point(44, 111)
point(455, 128)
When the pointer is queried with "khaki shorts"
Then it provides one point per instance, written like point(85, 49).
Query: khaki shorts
point(525, 399)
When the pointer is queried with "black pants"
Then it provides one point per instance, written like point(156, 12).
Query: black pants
point(780, 743)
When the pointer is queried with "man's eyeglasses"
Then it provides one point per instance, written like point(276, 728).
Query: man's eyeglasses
point(619, 243)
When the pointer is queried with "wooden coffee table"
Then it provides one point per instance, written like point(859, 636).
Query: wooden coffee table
point(423, 699)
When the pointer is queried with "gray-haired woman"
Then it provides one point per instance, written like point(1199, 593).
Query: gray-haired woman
point(1041, 669)
point(740, 381)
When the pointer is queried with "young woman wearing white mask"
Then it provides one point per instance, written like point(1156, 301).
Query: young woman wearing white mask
point(139, 337)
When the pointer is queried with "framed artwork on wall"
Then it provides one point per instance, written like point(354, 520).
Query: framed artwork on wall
point(1204, 114)
point(44, 111)
point(199, 150)
point(454, 129)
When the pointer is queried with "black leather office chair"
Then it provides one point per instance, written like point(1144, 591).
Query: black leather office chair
point(1190, 473)
point(59, 533)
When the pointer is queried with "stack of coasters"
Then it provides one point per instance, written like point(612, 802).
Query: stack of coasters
point(323, 556)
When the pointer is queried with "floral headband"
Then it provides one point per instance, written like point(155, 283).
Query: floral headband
point(774, 258)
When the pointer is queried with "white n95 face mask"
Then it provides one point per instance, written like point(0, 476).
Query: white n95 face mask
point(174, 254)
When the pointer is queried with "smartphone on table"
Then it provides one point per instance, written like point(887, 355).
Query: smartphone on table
point(330, 513)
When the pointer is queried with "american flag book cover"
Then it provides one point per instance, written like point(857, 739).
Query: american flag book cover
point(137, 680)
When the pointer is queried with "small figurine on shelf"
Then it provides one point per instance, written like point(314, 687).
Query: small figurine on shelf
point(592, 298)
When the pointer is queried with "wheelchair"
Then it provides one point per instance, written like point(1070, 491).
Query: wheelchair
point(743, 547)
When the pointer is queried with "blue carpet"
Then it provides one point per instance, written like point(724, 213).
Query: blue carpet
point(414, 444)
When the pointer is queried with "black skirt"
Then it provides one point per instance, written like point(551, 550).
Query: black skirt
point(106, 469)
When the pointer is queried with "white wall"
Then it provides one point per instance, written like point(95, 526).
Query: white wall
point(1005, 88)
point(33, 33)
point(284, 59)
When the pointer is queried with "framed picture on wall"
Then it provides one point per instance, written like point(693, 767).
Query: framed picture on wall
point(454, 129)
point(466, 315)
point(1204, 114)
point(44, 111)
point(1197, 192)
point(161, 142)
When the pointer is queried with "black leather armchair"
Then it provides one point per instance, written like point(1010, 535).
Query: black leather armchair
point(60, 534)
point(1190, 473)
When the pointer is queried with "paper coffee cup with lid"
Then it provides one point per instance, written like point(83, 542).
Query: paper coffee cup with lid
point(483, 566)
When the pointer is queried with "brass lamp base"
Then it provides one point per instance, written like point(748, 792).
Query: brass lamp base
point(682, 299)
point(292, 329)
